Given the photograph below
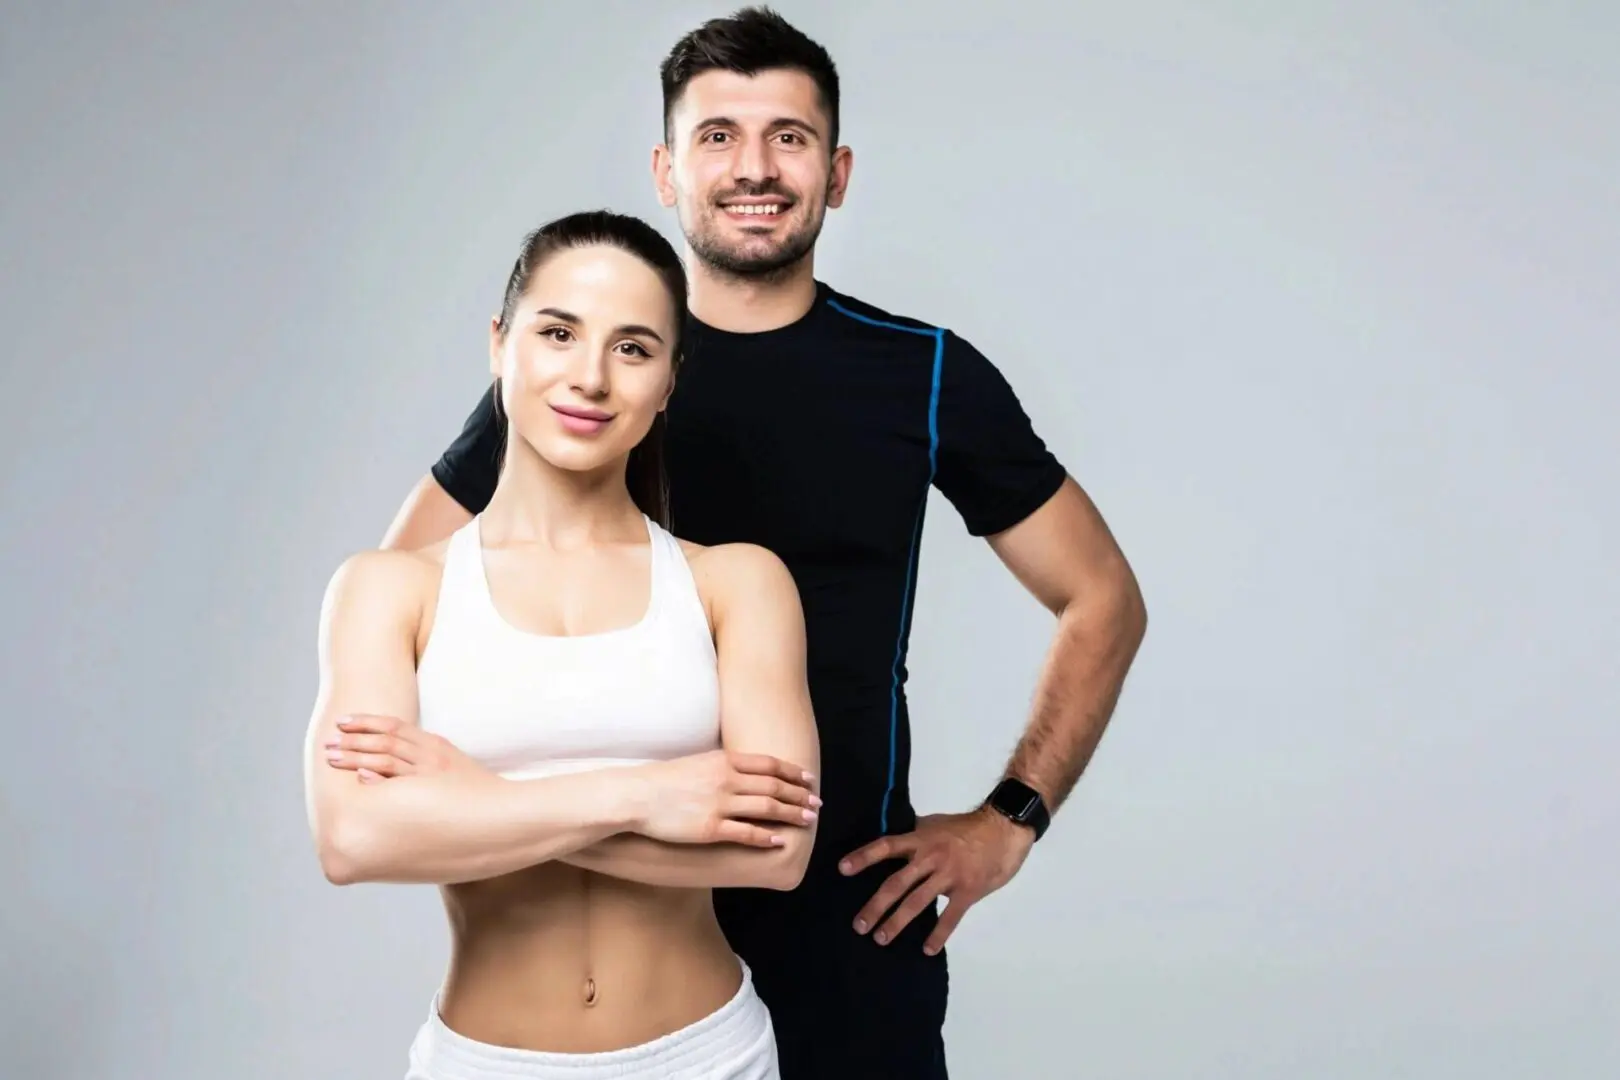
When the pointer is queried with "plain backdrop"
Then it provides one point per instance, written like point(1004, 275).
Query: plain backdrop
point(1318, 300)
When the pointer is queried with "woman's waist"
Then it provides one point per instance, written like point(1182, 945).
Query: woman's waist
point(564, 909)
point(557, 958)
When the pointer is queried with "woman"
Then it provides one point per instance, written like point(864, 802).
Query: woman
point(573, 723)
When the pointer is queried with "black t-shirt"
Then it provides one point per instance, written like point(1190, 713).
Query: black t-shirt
point(820, 441)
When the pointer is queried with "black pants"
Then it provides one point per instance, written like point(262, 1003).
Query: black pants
point(843, 1007)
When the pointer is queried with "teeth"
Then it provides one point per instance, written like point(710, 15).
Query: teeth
point(773, 208)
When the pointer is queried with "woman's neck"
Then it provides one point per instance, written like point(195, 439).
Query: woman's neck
point(537, 503)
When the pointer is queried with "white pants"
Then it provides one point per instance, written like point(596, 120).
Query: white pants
point(735, 1042)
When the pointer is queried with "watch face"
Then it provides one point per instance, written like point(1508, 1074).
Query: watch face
point(1017, 800)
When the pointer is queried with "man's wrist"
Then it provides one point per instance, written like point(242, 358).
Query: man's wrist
point(1020, 803)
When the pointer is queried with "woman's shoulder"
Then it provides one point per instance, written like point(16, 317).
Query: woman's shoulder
point(386, 579)
point(733, 558)
point(725, 572)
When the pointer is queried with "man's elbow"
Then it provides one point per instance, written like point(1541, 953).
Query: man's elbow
point(1134, 616)
point(1121, 606)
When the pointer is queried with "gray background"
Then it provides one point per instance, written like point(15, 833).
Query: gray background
point(1319, 300)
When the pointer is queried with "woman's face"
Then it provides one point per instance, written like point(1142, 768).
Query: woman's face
point(587, 362)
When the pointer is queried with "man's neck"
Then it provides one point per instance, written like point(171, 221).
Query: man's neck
point(750, 305)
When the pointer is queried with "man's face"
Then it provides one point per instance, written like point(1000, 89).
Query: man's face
point(750, 171)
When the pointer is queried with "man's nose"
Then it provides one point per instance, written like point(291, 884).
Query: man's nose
point(753, 162)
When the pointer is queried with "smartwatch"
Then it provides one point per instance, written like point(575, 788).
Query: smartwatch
point(1021, 803)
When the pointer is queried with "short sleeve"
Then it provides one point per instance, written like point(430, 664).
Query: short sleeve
point(469, 467)
point(991, 464)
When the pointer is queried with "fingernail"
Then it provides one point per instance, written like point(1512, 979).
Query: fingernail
point(930, 950)
point(809, 815)
point(334, 755)
point(845, 868)
point(809, 777)
point(860, 926)
point(815, 801)
point(333, 745)
point(881, 937)
point(776, 841)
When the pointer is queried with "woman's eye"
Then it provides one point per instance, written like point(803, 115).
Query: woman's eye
point(635, 350)
point(555, 333)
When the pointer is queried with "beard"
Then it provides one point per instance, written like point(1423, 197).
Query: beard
point(753, 257)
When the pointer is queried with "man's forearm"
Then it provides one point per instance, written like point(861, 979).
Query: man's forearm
point(633, 857)
point(1080, 684)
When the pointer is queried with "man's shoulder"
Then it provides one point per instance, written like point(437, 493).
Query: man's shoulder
point(869, 315)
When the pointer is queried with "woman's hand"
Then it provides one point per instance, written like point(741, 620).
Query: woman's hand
point(726, 797)
point(378, 747)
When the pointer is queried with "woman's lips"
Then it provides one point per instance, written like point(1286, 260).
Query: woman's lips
point(577, 420)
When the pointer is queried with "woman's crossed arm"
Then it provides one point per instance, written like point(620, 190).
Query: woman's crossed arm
point(459, 822)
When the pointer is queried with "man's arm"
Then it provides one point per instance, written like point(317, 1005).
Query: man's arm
point(458, 486)
point(1011, 489)
point(1066, 556)
point(463, 825)
point(427, 516)
point(764, 708)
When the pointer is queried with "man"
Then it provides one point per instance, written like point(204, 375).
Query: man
point(814, 424)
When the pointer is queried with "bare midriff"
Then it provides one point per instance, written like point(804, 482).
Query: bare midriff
point(561, 959)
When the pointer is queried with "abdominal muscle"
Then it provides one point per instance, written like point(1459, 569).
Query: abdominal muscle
point(560, 959)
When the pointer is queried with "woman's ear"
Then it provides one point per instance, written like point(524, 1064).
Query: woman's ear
point(497, 345)
point(668, 392)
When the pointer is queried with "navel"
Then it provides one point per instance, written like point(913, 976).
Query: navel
point(590, 991)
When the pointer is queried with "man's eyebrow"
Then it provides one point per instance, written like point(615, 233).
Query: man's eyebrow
point(633, 329)
point(779, 122)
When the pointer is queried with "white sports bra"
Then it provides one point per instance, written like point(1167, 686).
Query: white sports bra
point(528, 705)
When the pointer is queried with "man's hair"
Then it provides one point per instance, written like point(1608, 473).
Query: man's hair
point(747, 42)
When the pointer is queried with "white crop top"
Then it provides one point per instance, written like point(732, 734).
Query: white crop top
point(528, 705)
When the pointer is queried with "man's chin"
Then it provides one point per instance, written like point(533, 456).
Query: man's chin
point(754, 260)
point(748, 264)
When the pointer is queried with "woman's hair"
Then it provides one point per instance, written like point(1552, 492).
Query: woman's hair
point(645, 474)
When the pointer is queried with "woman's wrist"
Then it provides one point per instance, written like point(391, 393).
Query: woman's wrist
point(630, 792)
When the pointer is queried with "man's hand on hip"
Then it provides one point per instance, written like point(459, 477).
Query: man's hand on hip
point(962, 857)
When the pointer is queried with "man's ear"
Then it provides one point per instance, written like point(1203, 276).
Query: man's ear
point(662, 162)
point(843, 163)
